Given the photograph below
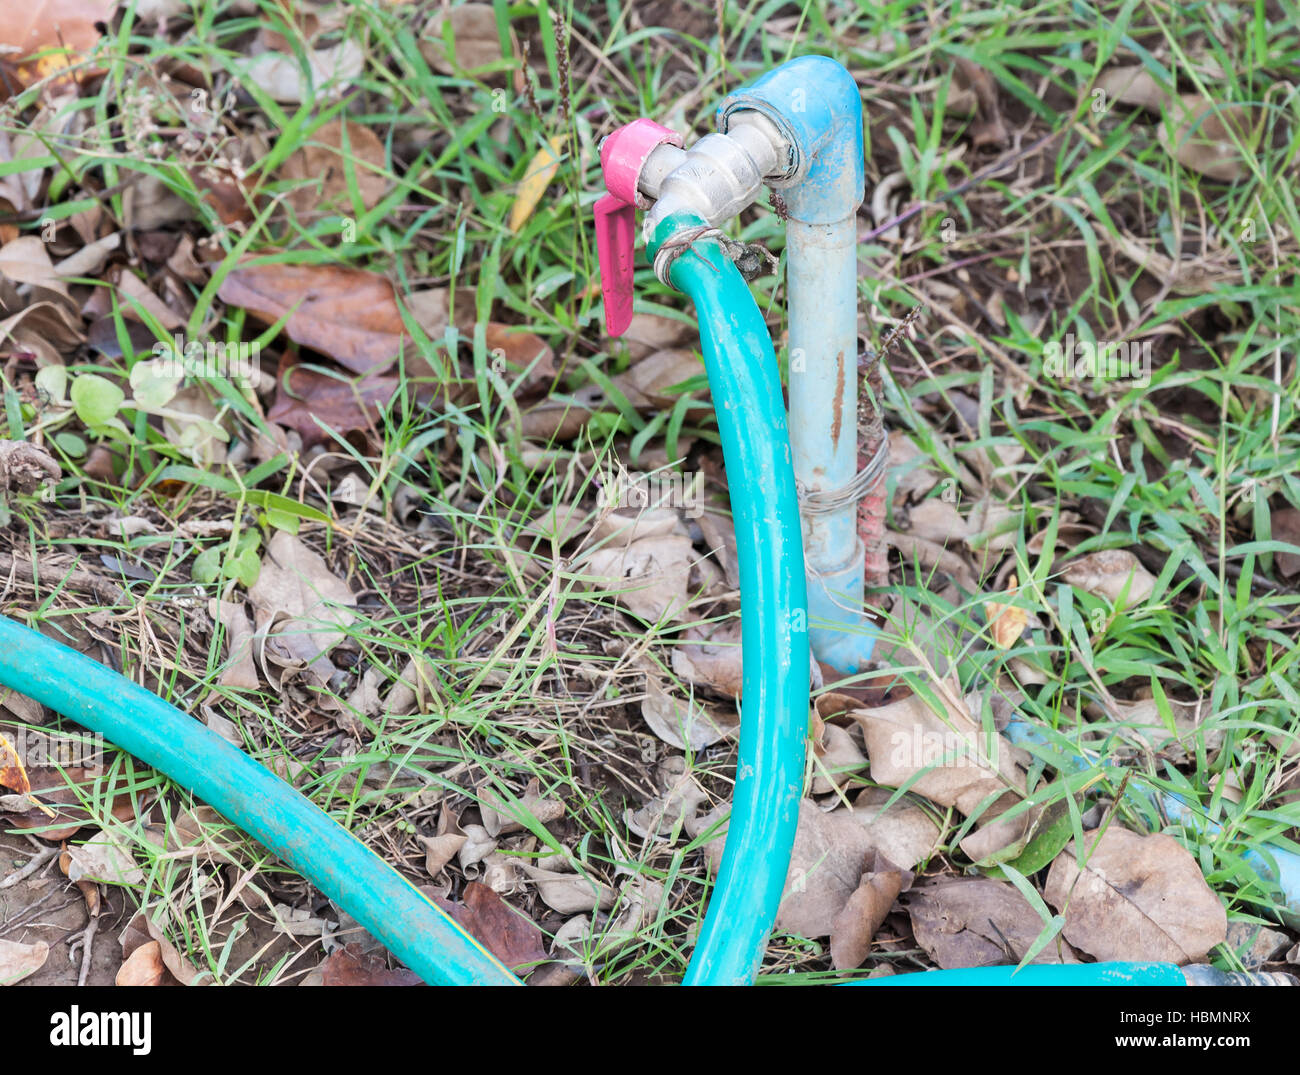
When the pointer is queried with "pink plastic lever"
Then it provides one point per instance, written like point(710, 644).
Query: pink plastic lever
point(622, 156)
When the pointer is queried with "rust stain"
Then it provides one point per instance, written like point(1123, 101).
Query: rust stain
point(837, 409)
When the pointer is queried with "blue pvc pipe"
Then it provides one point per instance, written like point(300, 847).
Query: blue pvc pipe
point(417, 931)
point(1042, 974)
point(817, 106)
point(742, 372)
point(1275, 865)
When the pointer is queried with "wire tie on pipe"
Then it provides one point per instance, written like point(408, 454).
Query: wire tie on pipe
point(748, 257)
point(827, 502)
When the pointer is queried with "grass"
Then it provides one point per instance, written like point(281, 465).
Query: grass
point(459, 572)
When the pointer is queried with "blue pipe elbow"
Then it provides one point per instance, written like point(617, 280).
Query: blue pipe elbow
point(817, 106)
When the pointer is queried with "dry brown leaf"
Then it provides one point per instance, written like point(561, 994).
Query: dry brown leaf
point(903, 832)
point(349, 314)
point(523, 351)
point(1132, 84)
point(319, 169)
point(476, 43)
point(199, 832)
point(648, 333)
point(42, 329)
point(617, 529)
point(1109, 573)
point(232, 195)
point(143, 967)
point(312, 402)
point(1006, 621)
point(26, 260)
point(431, 308)
point(17, 960)
point(352, 965)
point(1138, 898)
point(710, 656)
point(720, 543)
point(936, 520)
point(1202, 138)
point(995, 527)
point(183, 263)
point(685, 723)
point(499, 816)
point(837, 754)
point(1202, 134)
point(977, 922)
point(22, 708)
point(58, 789)
point(640, 900)
point(149, 203)
point(974, 82)
point(913, 470)
point(91, 258)
point(478, 845)
point(240, 670)
point(101, 859)
point(1070, 531)
point(569, 893)
point(416, 688)
point(297, 921)
point(131, 287)
point(643, 385)
point(678, 800)
point(1286, 527)
point(650, 576)
point(856, 924)
point(295, 580)
point(440, 850)
point(281, 75)
point(300, 607)
point(905, 737)
point(508, 934)
point(13, 774)
point(61, 31)
point(831, 852)
point(647, 382)
point(561, 416)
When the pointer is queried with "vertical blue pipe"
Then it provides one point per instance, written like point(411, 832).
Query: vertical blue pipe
point(821, 276)
point(746, 392)
point(816, 105)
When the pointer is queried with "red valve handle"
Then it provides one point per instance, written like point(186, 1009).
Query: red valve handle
point(622, 156)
